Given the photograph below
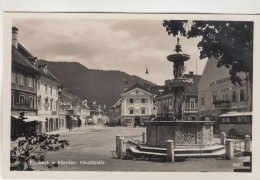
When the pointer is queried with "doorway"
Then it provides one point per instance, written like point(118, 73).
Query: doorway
point(137, 121)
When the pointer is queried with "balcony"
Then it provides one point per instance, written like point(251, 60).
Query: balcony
point(22, 105)
point(192, 110)
point(221, 104)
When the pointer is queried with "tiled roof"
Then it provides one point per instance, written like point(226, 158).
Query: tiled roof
point(117, 104)
point(155, 89)
point(136, 85)
point(19, 59)
point(24, 51)
point(152, 89)
point(191, 89)
point(48, 75)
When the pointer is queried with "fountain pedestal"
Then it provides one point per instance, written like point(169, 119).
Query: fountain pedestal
point(183, 133)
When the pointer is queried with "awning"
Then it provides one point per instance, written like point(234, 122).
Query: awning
point(73, 118)
point(234, 113)
point(16, 117)
point(33, 118)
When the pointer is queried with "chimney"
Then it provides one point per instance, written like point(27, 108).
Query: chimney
point(15, 37)
point(126, 85)
point(191, 73)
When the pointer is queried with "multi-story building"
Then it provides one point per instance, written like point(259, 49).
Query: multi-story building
point(98, 114)
point(23, 91)
point(47, 98)
point(137, 105)
point(165, 101)
point(217, 95)
point(85, 112)
point(69, 102)
point(115, 113)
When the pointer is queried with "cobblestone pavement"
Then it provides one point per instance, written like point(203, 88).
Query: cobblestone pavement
point(90, 150)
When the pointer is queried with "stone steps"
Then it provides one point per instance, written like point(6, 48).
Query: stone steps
point(191, 150)
point(178, 153)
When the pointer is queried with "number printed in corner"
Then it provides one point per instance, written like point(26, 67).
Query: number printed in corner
point(236, 164)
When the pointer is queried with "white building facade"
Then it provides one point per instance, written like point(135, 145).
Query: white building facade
point(47, 100)
point(137, 106)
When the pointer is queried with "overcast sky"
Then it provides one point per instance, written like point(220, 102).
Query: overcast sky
point(125, 45)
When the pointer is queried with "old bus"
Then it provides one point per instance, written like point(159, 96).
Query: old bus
point(236, 123)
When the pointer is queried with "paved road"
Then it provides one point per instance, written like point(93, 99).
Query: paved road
point(94, 143)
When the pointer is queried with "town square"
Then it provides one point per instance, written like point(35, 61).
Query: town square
point(131, 95)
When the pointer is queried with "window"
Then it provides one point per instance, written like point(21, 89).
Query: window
point(38, 85)
point(46, 88)
point(12, 100)
point(224, 96)
point(242, 95)
point(214, 98)
point(154, 101)
point(143, 111)
point(154, 108)
point(239, 119)
point(192, 104)
point(29, 82)
point(13, 78)
point(31, 101)
point(131, 111)
point(39, 104)
point(51, 105)
point(247, 119)
point(131, 100)
point(20, 80)
point(202, 101)
point(234, 96)
point(143, 101)
point(21, 99)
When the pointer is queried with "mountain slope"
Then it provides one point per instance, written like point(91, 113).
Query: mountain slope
point(94, 85)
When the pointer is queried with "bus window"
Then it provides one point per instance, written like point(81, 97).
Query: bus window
point(247, 119)
point(228, 120)
point(239, 120)
point(233, 119)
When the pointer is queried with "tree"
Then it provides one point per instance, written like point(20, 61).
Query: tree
point(33, 149)
point(230, 42)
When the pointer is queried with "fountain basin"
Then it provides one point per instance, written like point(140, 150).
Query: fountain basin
point(178, 57)
point(183, 133)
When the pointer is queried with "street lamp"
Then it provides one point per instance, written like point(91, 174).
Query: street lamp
point(60, 88)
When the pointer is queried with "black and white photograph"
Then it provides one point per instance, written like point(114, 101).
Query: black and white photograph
point(92, 92)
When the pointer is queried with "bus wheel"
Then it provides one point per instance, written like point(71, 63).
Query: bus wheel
point(232, 133)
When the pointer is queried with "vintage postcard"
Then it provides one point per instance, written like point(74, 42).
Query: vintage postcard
point(129, 93)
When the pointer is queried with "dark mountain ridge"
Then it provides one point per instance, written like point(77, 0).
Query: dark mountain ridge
point(101, 86)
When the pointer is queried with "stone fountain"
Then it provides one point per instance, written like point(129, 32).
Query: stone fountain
point(177, 138)
point(183, 133)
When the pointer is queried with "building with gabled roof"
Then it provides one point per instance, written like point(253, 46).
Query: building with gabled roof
point(23, 93)
point(217, 94)
point(98, 113)
point(138, 104)
point(165, 101)
point(115, 113)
